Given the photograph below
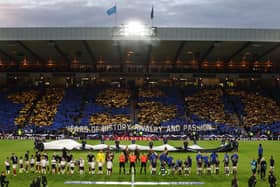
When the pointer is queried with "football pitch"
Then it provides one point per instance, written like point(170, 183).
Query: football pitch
point(247, 151)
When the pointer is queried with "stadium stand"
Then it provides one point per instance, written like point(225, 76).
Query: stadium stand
point(258, 109)
point(27, 98)
point(46, 107)
point(8, 112)
point(159, 106)
point(68, 111)
point(228, 110)
point(107, 106)
point(210, 105)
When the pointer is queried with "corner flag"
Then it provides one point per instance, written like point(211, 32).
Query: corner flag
point(112, 10)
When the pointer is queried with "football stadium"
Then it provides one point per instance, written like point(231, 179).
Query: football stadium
point(139, 105)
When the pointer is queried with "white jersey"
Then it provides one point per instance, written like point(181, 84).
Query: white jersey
point(72, 163)
point(20, 161)
point(63, 163)
point(109, 164)
point(7, 163)
point(82, 163)
point(43, 163)
point(32, 161)
point(100, 164)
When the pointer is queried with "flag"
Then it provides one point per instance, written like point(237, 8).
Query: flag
point(112, 10)
point(152, 13)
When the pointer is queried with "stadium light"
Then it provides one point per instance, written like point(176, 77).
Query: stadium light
point(135, 28)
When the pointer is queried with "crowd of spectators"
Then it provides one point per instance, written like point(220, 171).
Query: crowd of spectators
point(26, 98)
point(152, 109)
point(107, 119)
point(111, 106)
point(114, 97)
point(154, 113)
point(46, 108)
point(150, 93)
point(207, 105)
point(257, 108)
point(147, 106)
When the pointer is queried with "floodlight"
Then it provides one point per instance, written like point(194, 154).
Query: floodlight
point(134, 28)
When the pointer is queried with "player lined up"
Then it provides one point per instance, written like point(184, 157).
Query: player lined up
point(207, 164)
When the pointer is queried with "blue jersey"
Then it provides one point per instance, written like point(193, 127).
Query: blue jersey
point(163, 157)
point(154, 164)
point(199, 157)
point(260, 150)
point(153, 157)
point(226, 158)
point(179, 163)
point(234, 157)
point(205, 159)
point(213, 157)
point(169, 161)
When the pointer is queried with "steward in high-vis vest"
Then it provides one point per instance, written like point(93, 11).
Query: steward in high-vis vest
point(122, 163)
point(143, 159)
point(132, 160)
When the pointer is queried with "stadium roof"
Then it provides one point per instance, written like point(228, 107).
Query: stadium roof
point(90, 45)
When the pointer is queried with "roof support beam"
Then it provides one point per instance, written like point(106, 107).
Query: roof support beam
point(267, 52)
point(62, 54)
point(179, 51)
point(238, 51)
point(207, 52)
point(35, 55)
point(7, 55)
point(89, 50)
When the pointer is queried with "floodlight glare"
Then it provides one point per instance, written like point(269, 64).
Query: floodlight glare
point(135, 28)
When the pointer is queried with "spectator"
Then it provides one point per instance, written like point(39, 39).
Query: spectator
point(252, 181)
point(44, 181)
point(234, 181)
point(263, 168)
point(33, 183)
point(4, 182)
point(272, 179)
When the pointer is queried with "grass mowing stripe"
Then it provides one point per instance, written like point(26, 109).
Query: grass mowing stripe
point(247, 151)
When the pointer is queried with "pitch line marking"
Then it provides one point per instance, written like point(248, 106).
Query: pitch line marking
point(135, 183)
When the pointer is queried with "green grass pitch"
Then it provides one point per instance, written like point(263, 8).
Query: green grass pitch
point(247, 151)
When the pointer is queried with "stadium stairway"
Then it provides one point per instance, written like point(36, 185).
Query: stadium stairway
point(68, 111)
point(8, 113)
point(233, 106)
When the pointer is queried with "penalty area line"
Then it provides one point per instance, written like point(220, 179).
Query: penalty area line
point(134, 183)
